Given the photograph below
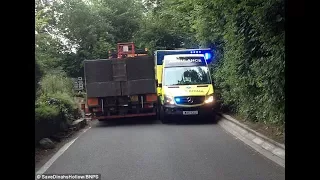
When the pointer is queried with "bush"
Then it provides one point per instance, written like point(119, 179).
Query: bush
point(56, 83)
point(56, 90)
point(46, 112)
point(38, 75)
point(64, 102)
point(81, 94)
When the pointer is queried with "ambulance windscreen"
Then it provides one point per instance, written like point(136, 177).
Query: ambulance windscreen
point(186, 75)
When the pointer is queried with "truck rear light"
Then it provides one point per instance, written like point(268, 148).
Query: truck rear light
point(151, 97)
point(92, 101)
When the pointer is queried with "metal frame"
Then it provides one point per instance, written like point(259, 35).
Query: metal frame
point(120, 49)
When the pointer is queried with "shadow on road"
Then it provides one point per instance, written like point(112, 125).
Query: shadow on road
point(185, 120)
point(196, 121)
point(127, 122)
point(153, 120)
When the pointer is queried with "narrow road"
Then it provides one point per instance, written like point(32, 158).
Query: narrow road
point(154, 151)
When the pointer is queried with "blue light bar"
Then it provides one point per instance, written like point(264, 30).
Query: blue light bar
point(196, 52)
point(177, 100)
point(206, 52)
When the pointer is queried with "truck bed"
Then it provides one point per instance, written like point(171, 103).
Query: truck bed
point(120, 77)
point(112, 83)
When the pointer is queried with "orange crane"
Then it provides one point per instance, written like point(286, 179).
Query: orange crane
point(128, 50)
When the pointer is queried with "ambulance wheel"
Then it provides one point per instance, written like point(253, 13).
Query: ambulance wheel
point(164, 119)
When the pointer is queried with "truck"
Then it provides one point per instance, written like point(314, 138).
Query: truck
point(121, 86)
point(184, 84)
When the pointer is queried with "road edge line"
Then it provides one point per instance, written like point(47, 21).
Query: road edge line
point(47, 165)
point(265, 146)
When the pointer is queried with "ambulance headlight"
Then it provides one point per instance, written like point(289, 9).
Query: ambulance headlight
point(168, 100)
point(209, 99)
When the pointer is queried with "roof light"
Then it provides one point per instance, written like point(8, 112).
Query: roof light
point(207, 56)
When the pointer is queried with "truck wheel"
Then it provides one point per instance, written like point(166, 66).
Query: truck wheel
point(164, 119)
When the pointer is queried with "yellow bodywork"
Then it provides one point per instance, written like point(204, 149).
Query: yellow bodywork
point(187, 90)
point(182, 90)
point(159, 78)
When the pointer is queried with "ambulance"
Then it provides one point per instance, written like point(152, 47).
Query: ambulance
point(184, 84)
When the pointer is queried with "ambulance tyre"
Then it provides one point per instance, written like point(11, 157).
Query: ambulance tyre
point(213, 117)
point(164, 119)
point(158, 111)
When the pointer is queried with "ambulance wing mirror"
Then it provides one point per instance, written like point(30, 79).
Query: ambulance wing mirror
point(158, 84)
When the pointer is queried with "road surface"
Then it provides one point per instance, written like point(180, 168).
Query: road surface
point(145, 150)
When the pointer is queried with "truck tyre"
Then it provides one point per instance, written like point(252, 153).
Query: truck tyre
point(164, 119)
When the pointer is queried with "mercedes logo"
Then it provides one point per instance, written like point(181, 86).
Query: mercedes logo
point(190, 100)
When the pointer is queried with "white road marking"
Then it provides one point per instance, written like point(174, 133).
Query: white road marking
point(252, 144)
point(46, 166)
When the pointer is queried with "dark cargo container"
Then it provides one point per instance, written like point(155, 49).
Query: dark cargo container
point(98, 71)
point(120, 77)
point(141, 86)
point(140, 68)
point(119, 70)
point(103, 89)
point(124, 88)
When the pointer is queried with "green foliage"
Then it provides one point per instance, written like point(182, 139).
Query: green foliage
point(38, 74)
point(46, 112)
point(63, 101)
point(251, 72)
point(81, 94)
point(164, 28)
point(48, 50)
point(56, 83)
point(69, 32)
point(56, 92)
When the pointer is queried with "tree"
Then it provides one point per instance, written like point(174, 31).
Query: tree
point(38, 75)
